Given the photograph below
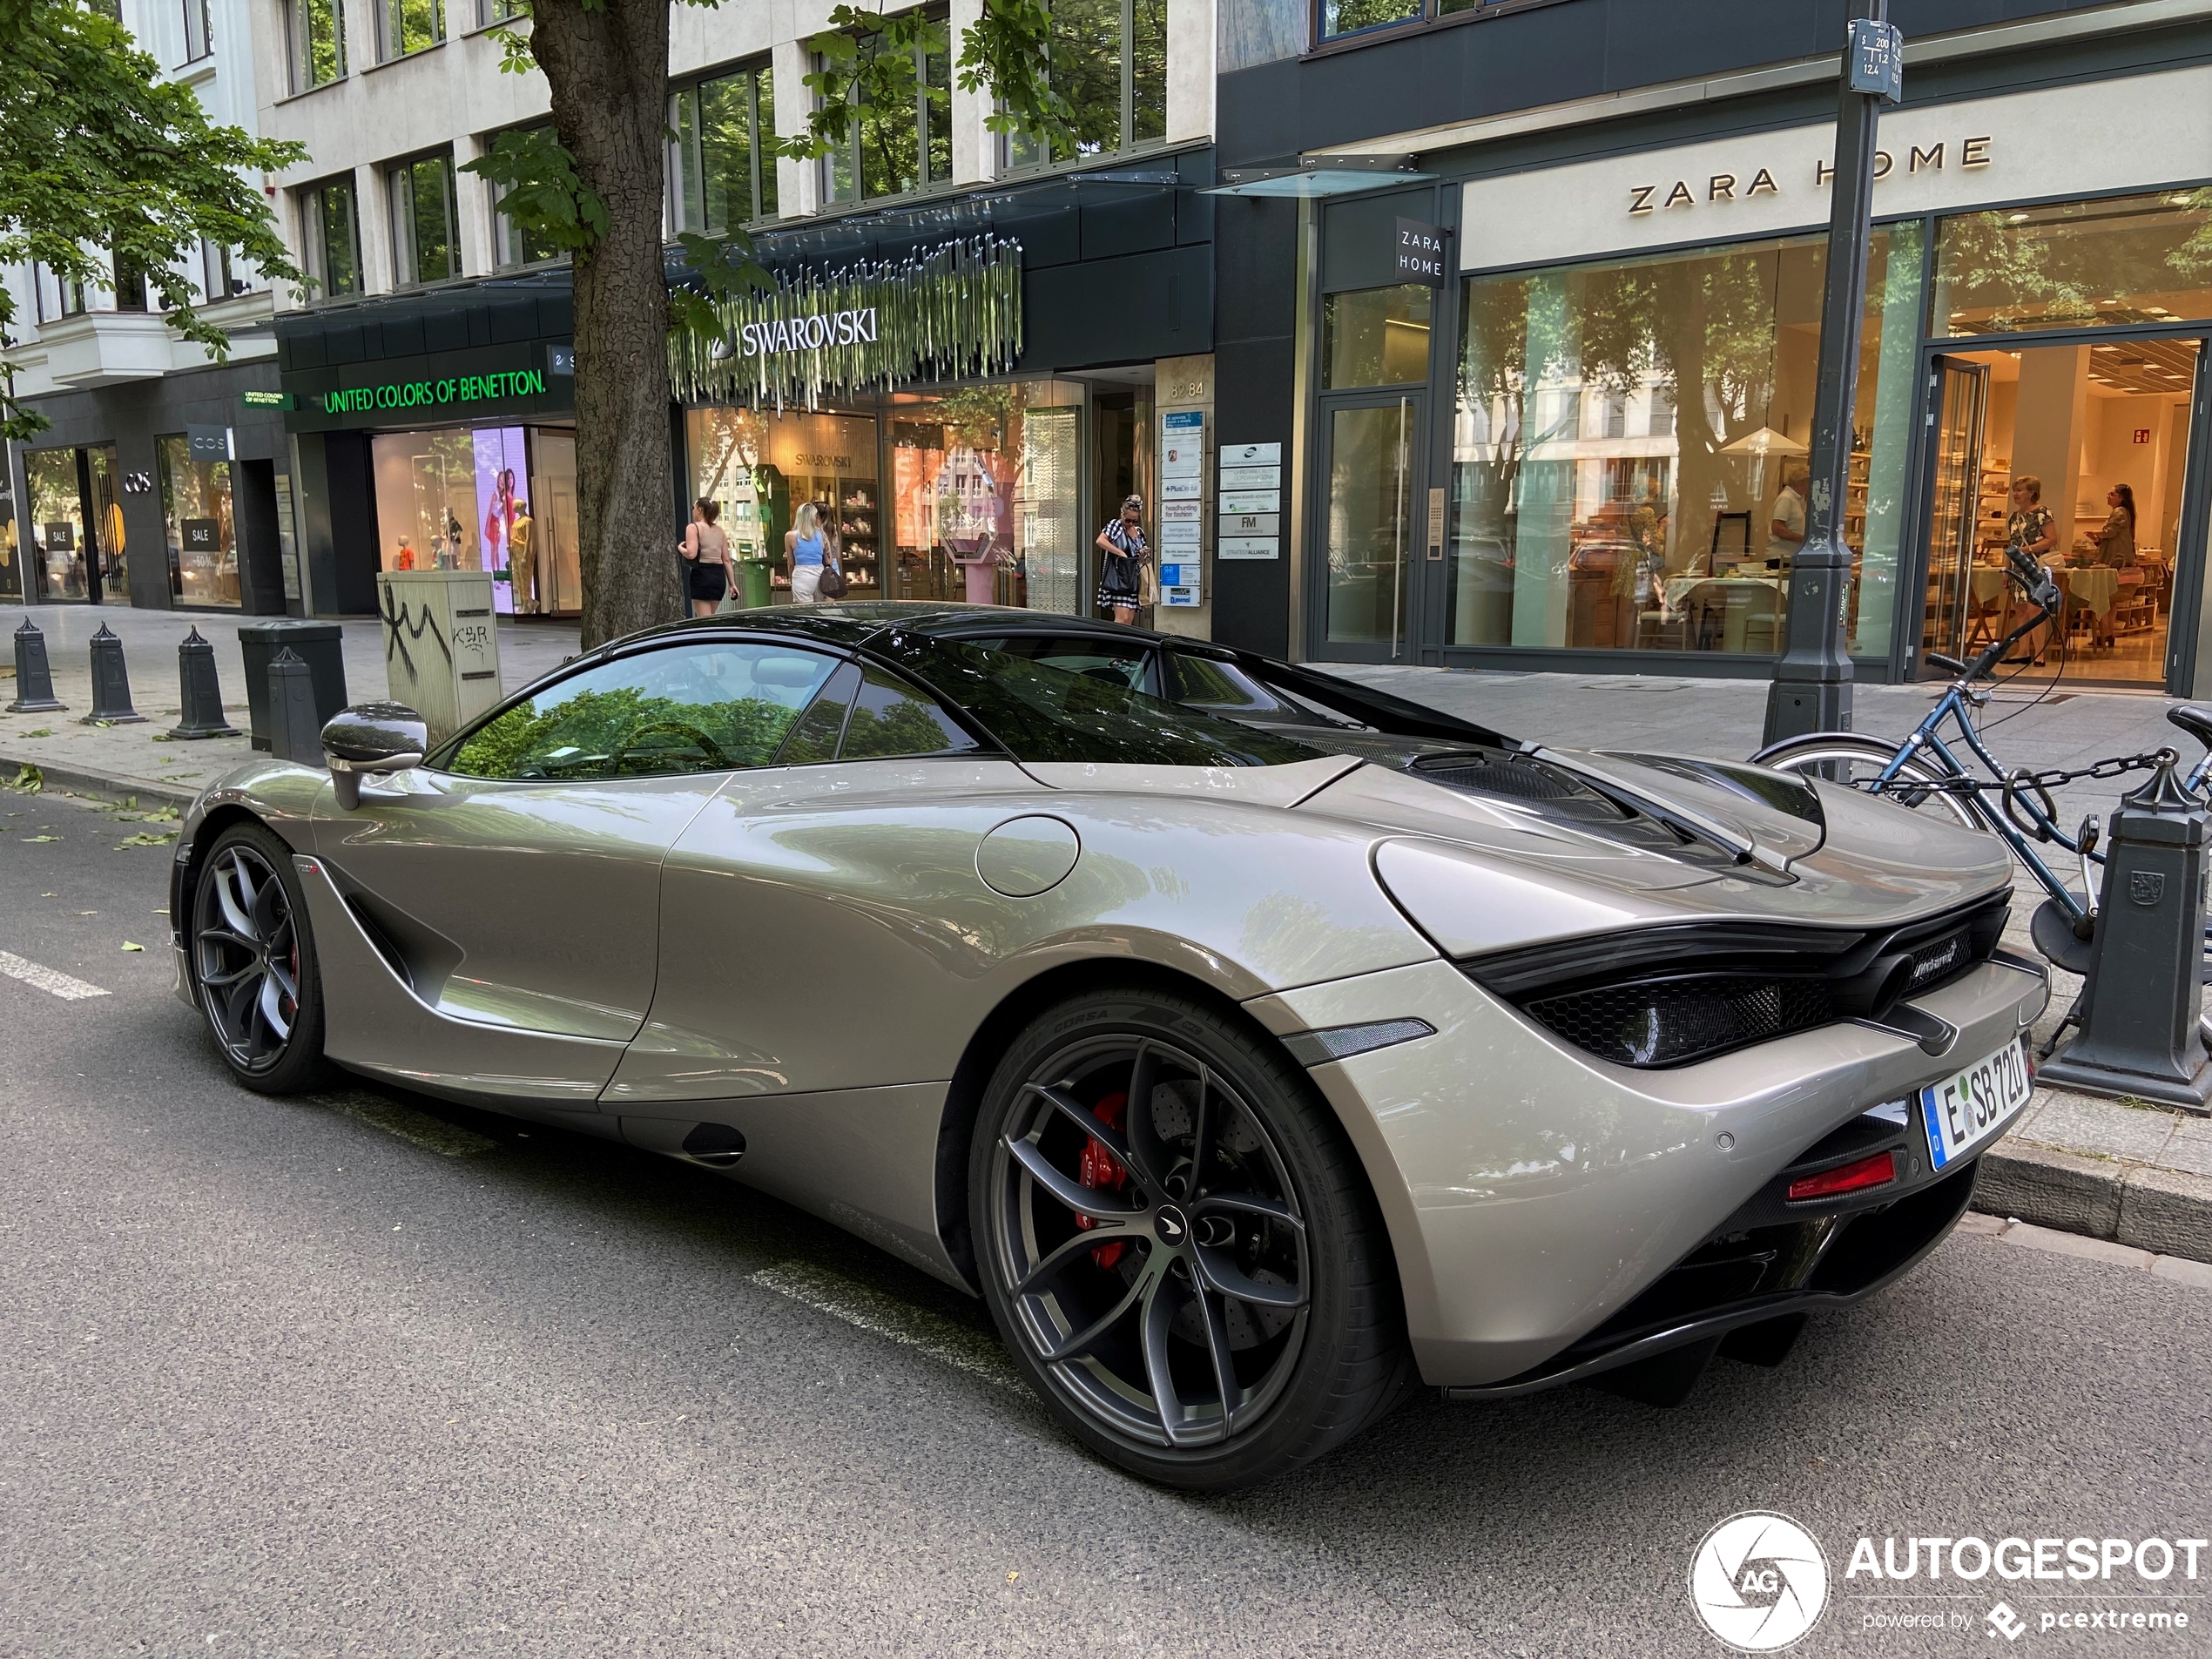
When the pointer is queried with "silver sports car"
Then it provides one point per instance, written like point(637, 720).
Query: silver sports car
point(1253, 1070)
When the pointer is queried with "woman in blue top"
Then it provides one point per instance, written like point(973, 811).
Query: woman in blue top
point(806, 550)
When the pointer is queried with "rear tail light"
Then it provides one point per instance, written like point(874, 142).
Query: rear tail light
point(1876, 1171)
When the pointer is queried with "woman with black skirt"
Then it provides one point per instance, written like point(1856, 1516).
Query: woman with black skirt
point(706, 558)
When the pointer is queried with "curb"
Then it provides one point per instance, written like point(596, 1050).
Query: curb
point(69, 780)
point(2168, 1212)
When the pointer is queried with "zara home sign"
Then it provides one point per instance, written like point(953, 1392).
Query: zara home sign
point(2054, 144)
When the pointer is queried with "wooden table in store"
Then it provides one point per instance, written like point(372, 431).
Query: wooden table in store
point(1737, 595)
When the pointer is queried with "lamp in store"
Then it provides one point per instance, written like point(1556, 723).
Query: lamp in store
point(1759, 446)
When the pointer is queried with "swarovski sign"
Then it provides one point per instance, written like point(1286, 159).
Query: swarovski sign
point(805, 333)
point(950, 312)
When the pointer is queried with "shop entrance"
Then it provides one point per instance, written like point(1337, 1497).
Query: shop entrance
point(1374, 449)
point(2095, 435)
point(74, 517)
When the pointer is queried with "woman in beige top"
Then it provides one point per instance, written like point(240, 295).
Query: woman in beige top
point(2116, 541)
point(706, 558)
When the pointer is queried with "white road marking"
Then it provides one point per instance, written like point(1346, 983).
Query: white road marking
point(419, 1129)
point(867, 1309)
point(51, 980)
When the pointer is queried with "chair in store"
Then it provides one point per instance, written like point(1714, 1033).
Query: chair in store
point(1755, 620)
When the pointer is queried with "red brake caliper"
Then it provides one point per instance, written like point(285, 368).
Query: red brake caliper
point(1102, 1171)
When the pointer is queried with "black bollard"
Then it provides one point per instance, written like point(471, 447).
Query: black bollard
point(33, 679)
point(202, 695)
point(2141, 1032)
point(111, 684)
point(295, 729)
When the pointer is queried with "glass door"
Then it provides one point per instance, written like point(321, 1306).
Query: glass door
point(1962, 607)
point(1368, 533)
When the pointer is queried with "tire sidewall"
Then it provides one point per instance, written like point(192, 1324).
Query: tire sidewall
point(302, 1064)
point(1298, 1424)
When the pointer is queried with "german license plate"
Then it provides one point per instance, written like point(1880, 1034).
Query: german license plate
point(1964, 1111)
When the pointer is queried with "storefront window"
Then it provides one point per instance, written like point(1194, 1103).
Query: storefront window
point(2072, 264)
point(1375, 336)
point(426, 500)
point(202, 533)
point(1629, 442)
point(981, 500)
point(56, 517)
point(10, 542)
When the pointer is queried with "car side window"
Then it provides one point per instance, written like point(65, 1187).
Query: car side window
point(714, 706)
point(891, 720)
point(1102, 659)
point(815, 738)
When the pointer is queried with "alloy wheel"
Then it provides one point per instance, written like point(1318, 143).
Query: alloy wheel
point(1152, 1241)
point(246, 956)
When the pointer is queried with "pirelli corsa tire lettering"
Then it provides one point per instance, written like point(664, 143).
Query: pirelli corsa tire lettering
point(1177, 1243)
point(251, 957)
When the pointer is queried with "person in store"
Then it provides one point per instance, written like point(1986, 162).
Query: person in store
point(805, 548)
point(2115, 548)
point(521, 568)
point(1121, 571)
point(705, 548)
point(2034, 529)
point(1787, 524)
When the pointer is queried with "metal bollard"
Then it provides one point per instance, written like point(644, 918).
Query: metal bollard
point(33, 679)
point(202, 695)
point(295, 729)
point(111, 684)
point(2140, 1008)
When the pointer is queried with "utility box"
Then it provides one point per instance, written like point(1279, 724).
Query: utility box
point(441, 649)
point(321, 645)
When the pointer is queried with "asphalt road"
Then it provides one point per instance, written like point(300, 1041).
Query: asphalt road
point(370, 1375)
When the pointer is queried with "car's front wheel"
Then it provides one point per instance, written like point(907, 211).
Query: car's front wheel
point(251, 957)
point(1178, 1244)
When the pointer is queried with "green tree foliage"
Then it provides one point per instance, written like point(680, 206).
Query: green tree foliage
point(623, 732)
point(102, 160)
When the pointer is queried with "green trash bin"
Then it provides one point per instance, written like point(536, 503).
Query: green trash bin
point(752, 584)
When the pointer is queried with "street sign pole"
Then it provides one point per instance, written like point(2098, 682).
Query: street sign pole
point(1812, 683)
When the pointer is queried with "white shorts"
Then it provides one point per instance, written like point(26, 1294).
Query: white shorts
point(804, 580)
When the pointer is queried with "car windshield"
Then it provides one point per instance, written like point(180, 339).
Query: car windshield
point(1042, 714)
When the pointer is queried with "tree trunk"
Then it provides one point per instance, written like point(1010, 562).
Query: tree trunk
point(607, 67)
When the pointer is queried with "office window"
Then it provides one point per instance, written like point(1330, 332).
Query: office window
point(719, 177)
point(1109, 58)
point(513, 244)
point(330, 237)
point(424, 248)
point(198, 39)
point(130, 283)
point(405, 26)
point(1349, 16)
point(222, 275)
point(494, 11)
point(896, 152)
point(315, 41)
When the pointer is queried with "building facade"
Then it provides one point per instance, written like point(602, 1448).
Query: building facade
point(1534, 322)
point(1064, 305)
point(155, 481)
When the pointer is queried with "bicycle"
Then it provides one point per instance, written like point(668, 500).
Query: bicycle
point(1924, 768)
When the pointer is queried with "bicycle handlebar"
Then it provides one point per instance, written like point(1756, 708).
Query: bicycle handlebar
point(1948, 665)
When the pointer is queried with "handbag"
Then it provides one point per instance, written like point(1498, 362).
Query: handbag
point(833, 584)
point(1148, 584)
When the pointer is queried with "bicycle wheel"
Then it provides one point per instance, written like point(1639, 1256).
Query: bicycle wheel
point(1859, 763)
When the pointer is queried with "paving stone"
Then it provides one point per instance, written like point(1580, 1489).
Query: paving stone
point(2191, 1147)
point(2050, 1188)
point(2166, 1211)
point(2086, 1123)
point(1986, 1226)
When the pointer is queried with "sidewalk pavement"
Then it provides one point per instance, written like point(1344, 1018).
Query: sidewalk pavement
point(2138, 1175)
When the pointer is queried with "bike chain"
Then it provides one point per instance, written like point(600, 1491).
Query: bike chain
point(2114, 767)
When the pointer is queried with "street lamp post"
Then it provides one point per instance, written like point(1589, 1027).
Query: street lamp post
point(1812, 683)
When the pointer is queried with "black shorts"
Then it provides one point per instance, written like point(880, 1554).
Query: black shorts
point(708, 582)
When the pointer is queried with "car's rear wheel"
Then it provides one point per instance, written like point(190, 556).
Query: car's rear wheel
point(1178, 1244)
point(251, 957)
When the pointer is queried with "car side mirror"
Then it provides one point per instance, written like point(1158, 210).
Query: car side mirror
point(371, 738)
